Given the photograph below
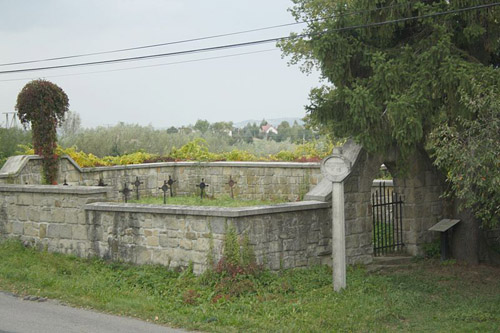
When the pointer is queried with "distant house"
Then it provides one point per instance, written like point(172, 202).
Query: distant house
point(266, 129)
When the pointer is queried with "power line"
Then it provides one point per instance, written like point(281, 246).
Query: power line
point(251, 43)
point(196, 39)
point(152, 45)
point(147, 66)
point(151, 56)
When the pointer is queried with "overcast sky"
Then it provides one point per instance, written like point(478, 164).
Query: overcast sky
point(252, 86)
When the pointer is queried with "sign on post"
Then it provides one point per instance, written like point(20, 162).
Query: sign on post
point(336, 168)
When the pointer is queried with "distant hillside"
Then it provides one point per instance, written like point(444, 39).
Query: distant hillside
point(275, 122)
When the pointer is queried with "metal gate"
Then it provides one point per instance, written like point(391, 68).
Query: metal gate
point(387, 213)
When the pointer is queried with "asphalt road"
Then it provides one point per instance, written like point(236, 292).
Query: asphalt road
point(25, 316)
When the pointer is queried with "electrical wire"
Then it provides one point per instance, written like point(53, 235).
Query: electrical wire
point(251, 43)
point(147, 66)
point(195, 39)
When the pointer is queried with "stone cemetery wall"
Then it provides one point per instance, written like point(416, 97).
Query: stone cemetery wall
point(254, 180)
point(50, 216)
point(77, 220)
point(284, 236)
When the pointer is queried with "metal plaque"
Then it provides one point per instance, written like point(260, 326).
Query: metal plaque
point(443, 225)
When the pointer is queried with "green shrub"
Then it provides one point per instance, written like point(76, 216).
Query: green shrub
point(237, 272)
point(432, 250)
point(195, 150)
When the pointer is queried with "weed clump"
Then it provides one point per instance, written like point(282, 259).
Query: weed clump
point(237, 271)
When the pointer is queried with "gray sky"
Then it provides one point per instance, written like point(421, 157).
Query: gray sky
point(253, 86)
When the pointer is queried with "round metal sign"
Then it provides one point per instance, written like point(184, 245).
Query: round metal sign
point(335, 168)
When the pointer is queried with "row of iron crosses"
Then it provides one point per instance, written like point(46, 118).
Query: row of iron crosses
point(167, 186)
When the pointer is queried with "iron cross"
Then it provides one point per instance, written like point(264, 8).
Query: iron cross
point(165, 188)
point(170, 183)
point(137, 183)
point(126, 192)
point(231, 184)
point(101, 182)
point(202, 186)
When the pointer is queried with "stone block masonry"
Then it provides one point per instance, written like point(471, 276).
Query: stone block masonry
point(254, 180)
point(51, 217)
point(78, 220)
point(282, 236)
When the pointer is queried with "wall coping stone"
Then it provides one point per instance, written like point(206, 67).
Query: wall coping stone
point(207, 210)
point(321, 192)
point(15, 164)
point(298, 165)
point(61, 189)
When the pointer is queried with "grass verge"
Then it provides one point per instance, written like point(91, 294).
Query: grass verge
point(427, 297)
point(223, 201)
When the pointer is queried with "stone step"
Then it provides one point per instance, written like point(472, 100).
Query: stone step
point(392, 260)
point(377, 268)
point(389, 263)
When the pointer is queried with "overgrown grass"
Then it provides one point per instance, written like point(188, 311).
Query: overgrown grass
point(428, 297)
point(223, 201)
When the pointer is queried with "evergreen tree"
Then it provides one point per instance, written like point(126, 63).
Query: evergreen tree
point(394, 85)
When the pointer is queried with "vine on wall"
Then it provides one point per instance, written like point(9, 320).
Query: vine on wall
point(43, 104)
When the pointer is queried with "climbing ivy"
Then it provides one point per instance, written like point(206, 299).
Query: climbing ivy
point(43, 104)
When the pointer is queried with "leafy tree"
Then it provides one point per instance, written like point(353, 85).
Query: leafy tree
point(202, 125)
point(72, 124)
point(283, 125)
point(248, 136)
point(222, 127)
point(253, 129)
point(469, 151)
point(283, 131)
point(43, 105)
point(10, 139)
point(394, 85)
point(172, 130)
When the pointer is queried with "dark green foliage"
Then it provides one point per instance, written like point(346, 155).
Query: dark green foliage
point(10, 138)
point(247, 253)
point(469, 151)
point(172, 130)
point(202, 125)
point(432, 250)
point(394, 85)
point(237, 272)
point(231, 247)
point(43, 105)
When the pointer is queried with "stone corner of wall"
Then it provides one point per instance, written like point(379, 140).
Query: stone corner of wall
point(15, 164)
point(72, 162)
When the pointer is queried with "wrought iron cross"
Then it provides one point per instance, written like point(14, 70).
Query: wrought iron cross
point(170, 183)
point(165, 188)
point(101, 182)
point(202, 186)
point(126, 192)
point(231, 184)
point(137, 183)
